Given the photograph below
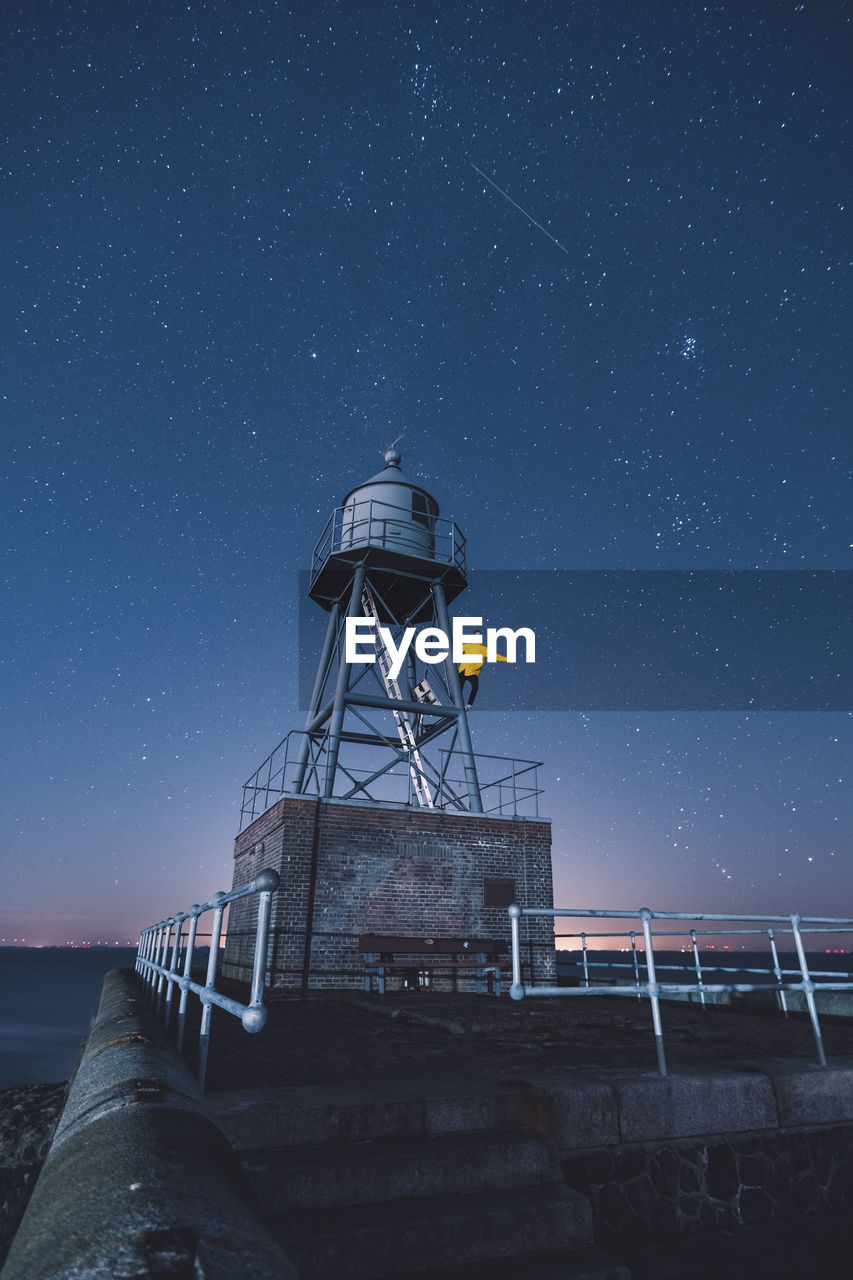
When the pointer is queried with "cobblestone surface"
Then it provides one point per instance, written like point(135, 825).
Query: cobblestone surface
point(337, 1039)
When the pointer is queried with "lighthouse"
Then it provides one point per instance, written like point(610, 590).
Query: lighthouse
point(378, 815)
point(387, 555)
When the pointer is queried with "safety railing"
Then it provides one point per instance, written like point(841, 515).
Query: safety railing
point(513, 793)
point(508, 787)
point(765, 974)
point(164, 962)
point(649, 987)
point(373, 522)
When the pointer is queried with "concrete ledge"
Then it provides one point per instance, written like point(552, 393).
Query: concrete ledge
point(838, 1004)
point(808, 1094)
point(582, 1111)
point(481, 1105)
point(575, 1110)
point(617, 1106)
point(688, 1103)
point(257, 1119)
point(139, 1180)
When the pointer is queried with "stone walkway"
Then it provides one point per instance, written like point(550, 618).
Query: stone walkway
point(347, 1038)
point(353, 1039)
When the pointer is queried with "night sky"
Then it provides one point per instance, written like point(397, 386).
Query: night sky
point(246, 247)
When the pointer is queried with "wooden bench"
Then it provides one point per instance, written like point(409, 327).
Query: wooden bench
point(483, 956)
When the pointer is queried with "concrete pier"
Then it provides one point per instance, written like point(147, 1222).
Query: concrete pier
point(450, 1137)
point(138, 1181)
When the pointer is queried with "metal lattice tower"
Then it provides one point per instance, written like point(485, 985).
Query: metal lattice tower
point(387, 554)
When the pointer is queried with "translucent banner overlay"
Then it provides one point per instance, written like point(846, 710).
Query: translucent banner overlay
point(650, 640)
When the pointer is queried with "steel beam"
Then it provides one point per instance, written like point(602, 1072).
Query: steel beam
point(466, 749)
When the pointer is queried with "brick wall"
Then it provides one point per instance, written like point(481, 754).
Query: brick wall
point(384, 870)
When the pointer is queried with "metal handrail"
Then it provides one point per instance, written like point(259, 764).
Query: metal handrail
point(514, 794)
point(794, 924)
point(365, 523)
point(161, 978)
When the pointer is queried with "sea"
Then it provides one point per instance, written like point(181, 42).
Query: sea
point(48, 996)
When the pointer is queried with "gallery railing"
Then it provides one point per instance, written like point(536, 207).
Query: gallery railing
point(650, 987)
point(509, 787)
point(373, 522)
point(164, 961)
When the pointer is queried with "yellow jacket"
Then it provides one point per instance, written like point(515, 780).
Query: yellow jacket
point(477, 652)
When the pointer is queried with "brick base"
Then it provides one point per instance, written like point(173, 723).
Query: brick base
point(351, 869)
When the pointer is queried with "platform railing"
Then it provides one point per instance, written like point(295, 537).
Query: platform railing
point(375, 522)
point(649, 987)
point(164, 962)
point(509, 787)
point(513, 794)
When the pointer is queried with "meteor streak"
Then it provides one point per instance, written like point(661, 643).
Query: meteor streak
point(518, 207)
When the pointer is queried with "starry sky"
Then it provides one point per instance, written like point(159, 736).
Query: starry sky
point(589, 262)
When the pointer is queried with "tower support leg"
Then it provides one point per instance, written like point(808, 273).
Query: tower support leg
point(339, 706)
point(319, 683)
point(465, 748)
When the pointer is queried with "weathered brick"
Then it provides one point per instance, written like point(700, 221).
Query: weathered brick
point(385, 871)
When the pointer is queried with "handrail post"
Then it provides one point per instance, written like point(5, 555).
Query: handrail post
point(149, 957)
point(697, 962)
point(193, 913)
point(654, 990)
point(636, 964)
point(209, 984)
point(157, 977)
point(585, 962)
point(255, 1016)
point(156, 935)
point(149, 946)
point(164, 955)
point(808, 988)
point(777, 969)
point(173, 967)
point(155, 958)
point(516, 989)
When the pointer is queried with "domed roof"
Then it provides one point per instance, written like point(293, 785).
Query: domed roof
point(393, 475)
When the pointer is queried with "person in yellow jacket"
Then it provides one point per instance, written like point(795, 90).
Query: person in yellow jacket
point(475, 653)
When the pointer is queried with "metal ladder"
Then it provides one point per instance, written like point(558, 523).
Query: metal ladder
point(404, 724)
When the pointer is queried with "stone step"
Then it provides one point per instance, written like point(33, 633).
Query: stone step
point(320, 1177)
point(372, 1242)
point(305, 1114)
point(566, 1264)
